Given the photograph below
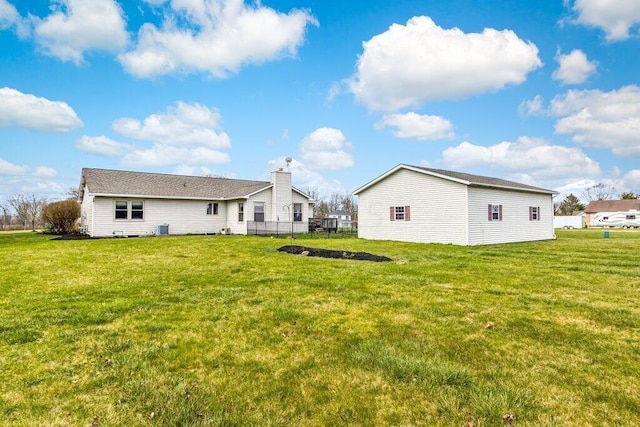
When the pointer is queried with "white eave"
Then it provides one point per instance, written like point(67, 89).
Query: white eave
point(450, 178)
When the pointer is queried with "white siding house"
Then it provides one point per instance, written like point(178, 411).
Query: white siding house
point(123, 203)
point(343, 217)
point(415, 204)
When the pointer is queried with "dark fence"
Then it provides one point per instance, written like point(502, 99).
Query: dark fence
point(277, 227)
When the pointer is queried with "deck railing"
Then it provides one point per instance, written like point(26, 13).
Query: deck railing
point(277, 227)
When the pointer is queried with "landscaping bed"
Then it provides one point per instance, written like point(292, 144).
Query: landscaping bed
point(329, 253)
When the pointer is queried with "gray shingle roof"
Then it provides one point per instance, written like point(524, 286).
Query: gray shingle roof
point(483, 180)
point(125, 183)
point(613, 205)
point(463, 178)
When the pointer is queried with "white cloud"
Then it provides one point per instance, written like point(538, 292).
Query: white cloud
point(185, 135)
point(215, 37)
point(615, 17)
point(27, 179)
point(574, 67)
point(164, 155)
point(102, 146)
point(530, 156)
point(38, 114)
point(185, 124)
point(306, 178)
point(417, 126)
point(78, 26)
point(192, 170)
point(601, 119)
point(532, 107)
point(7, 168)
point(8, 15)
point(420, 61)
point(45, 172)
point(326, 148)
point(632, 180)
point(48, 189)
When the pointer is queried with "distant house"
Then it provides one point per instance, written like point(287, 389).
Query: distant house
point(124, 203)
point(417, 204)
point(613, 213)
point(343, 217)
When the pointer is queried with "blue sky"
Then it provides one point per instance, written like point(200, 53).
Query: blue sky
point(541, 92)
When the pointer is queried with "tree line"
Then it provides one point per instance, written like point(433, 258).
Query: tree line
point(324, 206)
point(27, 211)
point(571, 204)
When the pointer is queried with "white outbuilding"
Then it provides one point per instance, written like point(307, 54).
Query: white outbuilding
point(425, 205)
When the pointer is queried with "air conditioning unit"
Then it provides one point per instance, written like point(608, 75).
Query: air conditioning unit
point(162, 230)
point(225, 230)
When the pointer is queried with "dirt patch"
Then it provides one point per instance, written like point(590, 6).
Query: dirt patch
point(328, 253)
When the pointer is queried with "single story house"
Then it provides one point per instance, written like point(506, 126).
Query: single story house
point(418, 204)
point(613, 213)
point(124, 203)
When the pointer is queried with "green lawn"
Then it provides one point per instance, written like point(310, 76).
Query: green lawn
point(226, 330)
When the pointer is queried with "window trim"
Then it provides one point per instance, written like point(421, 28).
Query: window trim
point(240, 211)
point(212, 208)
point(297, 214)
point(400, 213)
point(129, 210)
point(256, 213)
point(494, 209)
point(124, 210)
point(534, 213)
point(137, 210)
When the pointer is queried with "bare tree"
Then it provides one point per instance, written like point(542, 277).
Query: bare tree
point(314, 193)
point(73, 193)
point(27, 208)
point(350, 206)
point(599, 191)
point(5, 216)
point(321, 209)
point(335, 202)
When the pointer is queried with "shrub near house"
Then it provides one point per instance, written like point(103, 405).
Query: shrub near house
point(61, 217)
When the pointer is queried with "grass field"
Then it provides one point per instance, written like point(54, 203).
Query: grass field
point(226, 330)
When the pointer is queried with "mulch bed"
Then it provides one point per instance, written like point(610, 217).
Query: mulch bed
point(72, 236)
point(328, 253)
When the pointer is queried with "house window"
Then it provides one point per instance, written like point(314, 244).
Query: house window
point(240, 212)
point(137, 210)
point(297, 212)
point(258, 212)
point(125, 210)
point(495, 212)
point(212, 208)
point(534, 213)
point(121, 209)
point(400, 213)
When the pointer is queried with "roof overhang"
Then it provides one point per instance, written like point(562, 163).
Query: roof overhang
point(147, 196)
point(450, 178)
